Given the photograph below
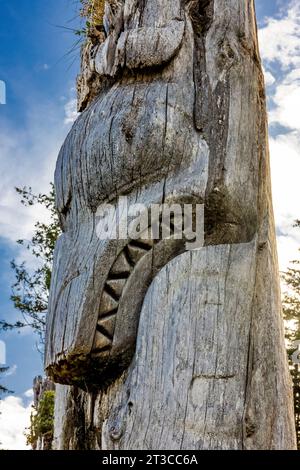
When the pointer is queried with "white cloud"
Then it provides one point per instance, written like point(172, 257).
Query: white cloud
point(71, 113)
point(11, 371)
point(288, 250)
point(279, 38)
point(287, 101)
point(14, 419)
point(280, 51)
point(27, 158)
point(28, 393)
point(285, 168)
point(269, 78)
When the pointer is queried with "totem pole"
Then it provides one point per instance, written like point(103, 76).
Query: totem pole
point(156, 347)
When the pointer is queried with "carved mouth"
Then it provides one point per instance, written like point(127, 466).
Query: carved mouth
point(112, 293)
point(122, 297)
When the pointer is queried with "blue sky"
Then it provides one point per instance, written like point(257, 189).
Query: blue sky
point(39, 73)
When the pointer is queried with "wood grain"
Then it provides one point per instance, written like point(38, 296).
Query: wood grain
point(173, 107)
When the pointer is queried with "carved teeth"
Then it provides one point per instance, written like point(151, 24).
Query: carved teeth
point(101, 341)
point(107, 303)
point(116, 286)
point(145, 243)
point(121, 266)
point(112, 292)
point(136, 253)
point(108, 324)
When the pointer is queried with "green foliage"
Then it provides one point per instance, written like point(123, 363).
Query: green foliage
point(30, 290)
point(42, 421)
point(291, 311)
point(93, 12)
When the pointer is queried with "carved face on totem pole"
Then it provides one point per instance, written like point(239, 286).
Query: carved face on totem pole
point(153, 128)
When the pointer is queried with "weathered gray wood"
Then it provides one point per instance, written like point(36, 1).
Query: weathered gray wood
point(175, 111)
point(197, 349)
point(201, 375)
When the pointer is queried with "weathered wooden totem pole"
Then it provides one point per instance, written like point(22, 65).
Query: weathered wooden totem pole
point(157, 347)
